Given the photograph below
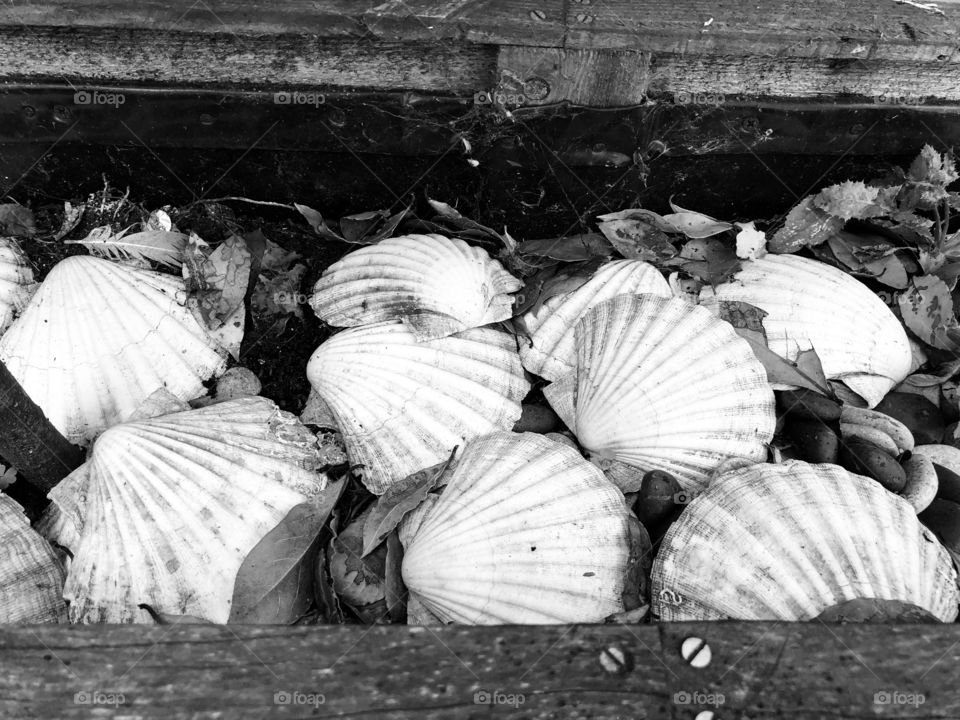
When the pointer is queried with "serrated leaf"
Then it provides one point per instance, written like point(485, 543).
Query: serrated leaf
point(161, 246)
point(932, 167)
point(274, 583)
point(399, 499)
point(17, 220)
point(804, 226)
point(927, 310)
point(847, 200)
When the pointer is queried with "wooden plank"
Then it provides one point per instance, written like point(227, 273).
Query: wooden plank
point(756, 670)
point(294, 61)
point(601, 78)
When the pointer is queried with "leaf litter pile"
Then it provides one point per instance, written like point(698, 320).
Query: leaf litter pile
point(410, 417)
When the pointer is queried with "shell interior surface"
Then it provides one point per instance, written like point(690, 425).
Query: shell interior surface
point(31, 577)
point(662, 385)
point(437, 285)
point(787, 541)
point(811, 305)
point(403, 405)
point(526, 531)
point(165, 510)
point(16, 282)
point(98, 338)
point(551, 351)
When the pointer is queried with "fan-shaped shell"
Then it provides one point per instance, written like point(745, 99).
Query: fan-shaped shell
point(551, 351)
point(810, 304)
point(31, 577)
point(98, 338)
point(403, 405)
point(165, 510)
point(663, 385)
point(787, 541)
point(526, 531)
point(16, 282)
point(438, 285)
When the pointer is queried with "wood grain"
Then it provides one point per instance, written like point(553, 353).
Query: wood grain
point(757, 670)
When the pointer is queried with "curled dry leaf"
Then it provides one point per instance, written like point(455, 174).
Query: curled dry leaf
point(275, 582)
point(694, 224)
point(569, 248)
point(72, 214)
point(639, 234)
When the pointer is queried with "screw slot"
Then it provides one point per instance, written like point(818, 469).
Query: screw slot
point(696, 652)
point(616, 660)
point(750, 124)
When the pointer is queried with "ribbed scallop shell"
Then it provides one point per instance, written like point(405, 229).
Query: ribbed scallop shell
point(31, 577)
point(403, 405)
point(16, 282)
point(438, 285)
point(551, 351)
point(813, 305)
point(526, 531)
point(98, 338)
point(787, 541)
point(663, 385)
point(165, 510)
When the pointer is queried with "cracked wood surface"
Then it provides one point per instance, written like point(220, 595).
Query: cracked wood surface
point(758, 670)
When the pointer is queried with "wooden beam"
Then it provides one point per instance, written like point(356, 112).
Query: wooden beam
point(756, 670)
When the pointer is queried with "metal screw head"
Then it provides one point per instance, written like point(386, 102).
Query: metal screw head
point(696, 652)
point(616, 660)
point(206, 119)
point(536, 88)
point(855, 129)
point(750, 124)
point(62, 114)
point(29, 111)
point(537, 15)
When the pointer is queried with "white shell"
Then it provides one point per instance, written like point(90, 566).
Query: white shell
point(165, 510)
point(526, 531)
point(438, 285)
point(551, 351)
point(16, 282)
point(403, 405)
point(31, 577)
point(787, 541)
point(813, 305)
point(663, 385)
point(98, 338)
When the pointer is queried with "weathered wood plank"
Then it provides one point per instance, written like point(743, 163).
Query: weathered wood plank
point(757, 670)
point(290, 61)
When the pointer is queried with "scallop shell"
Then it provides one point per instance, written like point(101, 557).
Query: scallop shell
point(16, 282)
point(663, 385)
point(526, 531)
point(31, 577)
point(810, 304)
point(437, 285)
point(551, 351)
point(165, 510)
point(99, 337)
point(403, 405)
point(785, 542)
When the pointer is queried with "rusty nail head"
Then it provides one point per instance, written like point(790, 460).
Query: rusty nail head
point(28, 111)
point(61, 113)
point(536, 88)
point(696, 652)
point(616, 660)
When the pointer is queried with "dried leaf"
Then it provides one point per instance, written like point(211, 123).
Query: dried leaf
point(17, 220)
point(712, 261)
point(72, 214)
point(550, 282)
point(221, 288)
point(805, 225)
point(274, 583)
point(394, 589)
point(927, 310)
point(8, 478)
point(639, 235)
point(452, 216)
point(161, 246)
point(358, 581)
point(694, 224)
point(569, 248)
point(319, 225)
point(399, 499)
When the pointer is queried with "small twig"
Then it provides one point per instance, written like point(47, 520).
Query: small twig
point(925, 6)
point(243, 199)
